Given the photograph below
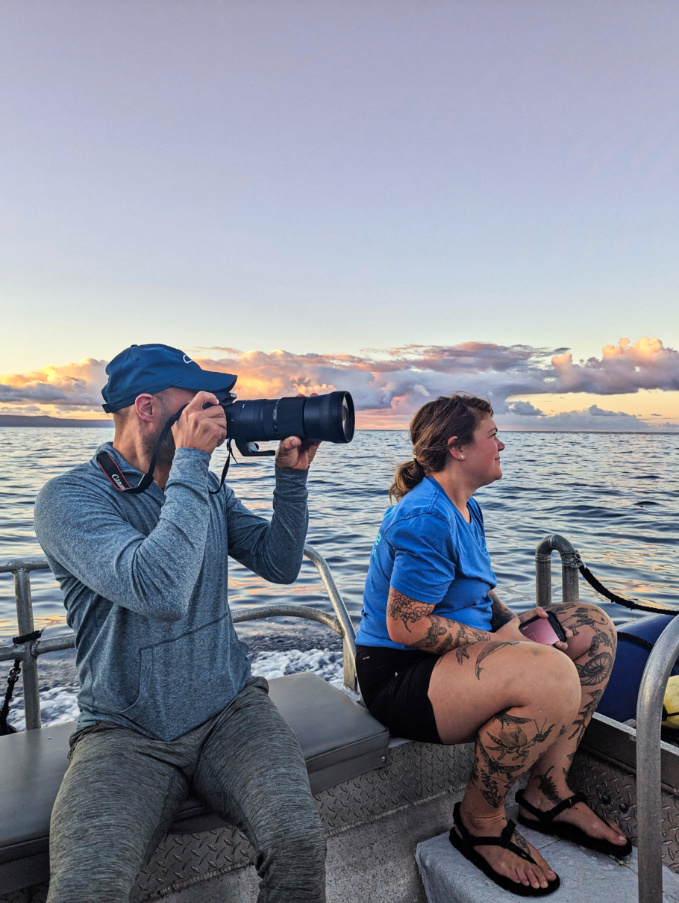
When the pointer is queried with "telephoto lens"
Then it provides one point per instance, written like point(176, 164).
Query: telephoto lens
point(324, 418)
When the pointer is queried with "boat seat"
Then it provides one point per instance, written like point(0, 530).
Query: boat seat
point(338, 736)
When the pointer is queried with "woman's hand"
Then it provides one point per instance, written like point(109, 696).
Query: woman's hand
point(509, 632)
point(542, 613)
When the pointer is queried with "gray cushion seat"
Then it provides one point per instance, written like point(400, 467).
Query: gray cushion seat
point(339, 739)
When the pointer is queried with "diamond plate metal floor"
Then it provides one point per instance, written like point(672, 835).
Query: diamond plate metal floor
point(374, 823)
point(415, 773)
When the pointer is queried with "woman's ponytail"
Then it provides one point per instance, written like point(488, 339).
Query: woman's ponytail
point(407, 477)
point(431, 430)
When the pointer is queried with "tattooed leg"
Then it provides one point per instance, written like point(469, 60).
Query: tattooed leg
point(514, 698)
point(507, 746)
point(510, 742)
point(592, 649)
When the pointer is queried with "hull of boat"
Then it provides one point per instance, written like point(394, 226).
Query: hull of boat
point(375, 821)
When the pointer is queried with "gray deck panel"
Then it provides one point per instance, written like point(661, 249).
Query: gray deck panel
point(450, 878)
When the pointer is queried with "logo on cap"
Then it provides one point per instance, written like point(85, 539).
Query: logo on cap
point(187, 359)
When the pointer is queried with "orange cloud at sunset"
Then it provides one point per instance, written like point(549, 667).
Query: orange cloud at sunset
point(75, 388)
point(529, 387)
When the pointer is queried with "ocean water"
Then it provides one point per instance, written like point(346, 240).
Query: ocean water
point(615, 496)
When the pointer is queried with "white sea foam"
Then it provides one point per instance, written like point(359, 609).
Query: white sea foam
point(324, 662)
point(59, 704)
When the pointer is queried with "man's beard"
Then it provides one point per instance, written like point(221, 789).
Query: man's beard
point(167, 446)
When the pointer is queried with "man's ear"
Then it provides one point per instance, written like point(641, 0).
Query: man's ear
point(146, 407)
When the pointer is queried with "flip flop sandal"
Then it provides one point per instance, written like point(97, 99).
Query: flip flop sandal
point(465, 842)
point(545, 824)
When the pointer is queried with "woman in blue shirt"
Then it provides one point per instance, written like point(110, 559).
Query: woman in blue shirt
point(441, 659)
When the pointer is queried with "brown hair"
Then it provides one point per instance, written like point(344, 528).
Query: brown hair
point(430, 429)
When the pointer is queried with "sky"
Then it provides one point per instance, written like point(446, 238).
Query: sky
point(402, 198)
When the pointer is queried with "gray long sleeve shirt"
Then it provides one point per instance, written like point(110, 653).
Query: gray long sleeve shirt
point(144, 579)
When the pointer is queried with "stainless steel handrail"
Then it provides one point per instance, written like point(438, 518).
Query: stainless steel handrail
point(28, 652)
point(649, 715)
point(649, 806)
point(347, 631)
point(570, 589)
point(24, 605)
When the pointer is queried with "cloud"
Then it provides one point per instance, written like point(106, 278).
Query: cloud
point(525, 409)
point(596, 411)
point(399, 378)
point(389, 385)
point(592, 418)
point(622, 368)
point(75, 385)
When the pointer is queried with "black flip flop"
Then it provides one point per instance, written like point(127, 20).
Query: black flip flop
point(465, 842)
point(545, 824)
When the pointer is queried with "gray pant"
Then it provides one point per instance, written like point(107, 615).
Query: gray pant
point(122, 790)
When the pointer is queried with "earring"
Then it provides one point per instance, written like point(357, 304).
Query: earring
point(461, 457)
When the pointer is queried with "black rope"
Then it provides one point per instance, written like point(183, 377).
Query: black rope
point(634, 604)
point(667, 731)
point(12, 678)
point(636, 640)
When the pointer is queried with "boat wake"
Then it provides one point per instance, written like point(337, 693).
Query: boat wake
point(59, 704)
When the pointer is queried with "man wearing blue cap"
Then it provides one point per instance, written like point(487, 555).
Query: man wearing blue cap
point(167, 702)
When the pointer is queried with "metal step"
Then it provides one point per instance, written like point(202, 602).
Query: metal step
point(450, 878)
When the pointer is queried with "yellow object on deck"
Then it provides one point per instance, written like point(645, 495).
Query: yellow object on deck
point(670, 704)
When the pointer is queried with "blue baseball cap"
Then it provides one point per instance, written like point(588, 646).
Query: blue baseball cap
point(149, 369)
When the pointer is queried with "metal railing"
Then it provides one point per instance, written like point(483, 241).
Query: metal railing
point(649, 715)
point(28, 652)
point(570, 588)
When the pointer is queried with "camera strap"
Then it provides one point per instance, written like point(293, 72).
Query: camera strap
point(229, 458)
point(118, 478)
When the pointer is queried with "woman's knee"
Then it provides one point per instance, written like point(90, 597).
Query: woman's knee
point(553, 684)
point(603, 623)
point(593, 630)
point(584, 615)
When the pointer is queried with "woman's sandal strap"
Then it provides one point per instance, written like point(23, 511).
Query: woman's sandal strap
point(478, 840)
point(550, 814)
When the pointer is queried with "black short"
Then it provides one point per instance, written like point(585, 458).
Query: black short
point(394, 684)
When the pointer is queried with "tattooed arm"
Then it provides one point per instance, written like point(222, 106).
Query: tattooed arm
point(499, 613)
point(412, 623)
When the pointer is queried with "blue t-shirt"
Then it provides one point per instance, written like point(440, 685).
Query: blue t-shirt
point(426, 550)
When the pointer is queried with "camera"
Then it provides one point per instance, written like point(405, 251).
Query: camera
point(326, 418)
point(322, 418)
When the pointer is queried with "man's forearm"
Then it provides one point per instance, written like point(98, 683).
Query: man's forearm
point(273, 549)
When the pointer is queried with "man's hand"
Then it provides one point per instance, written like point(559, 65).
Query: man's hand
point(293, 454)
point(527, 615)
point(199, 427)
